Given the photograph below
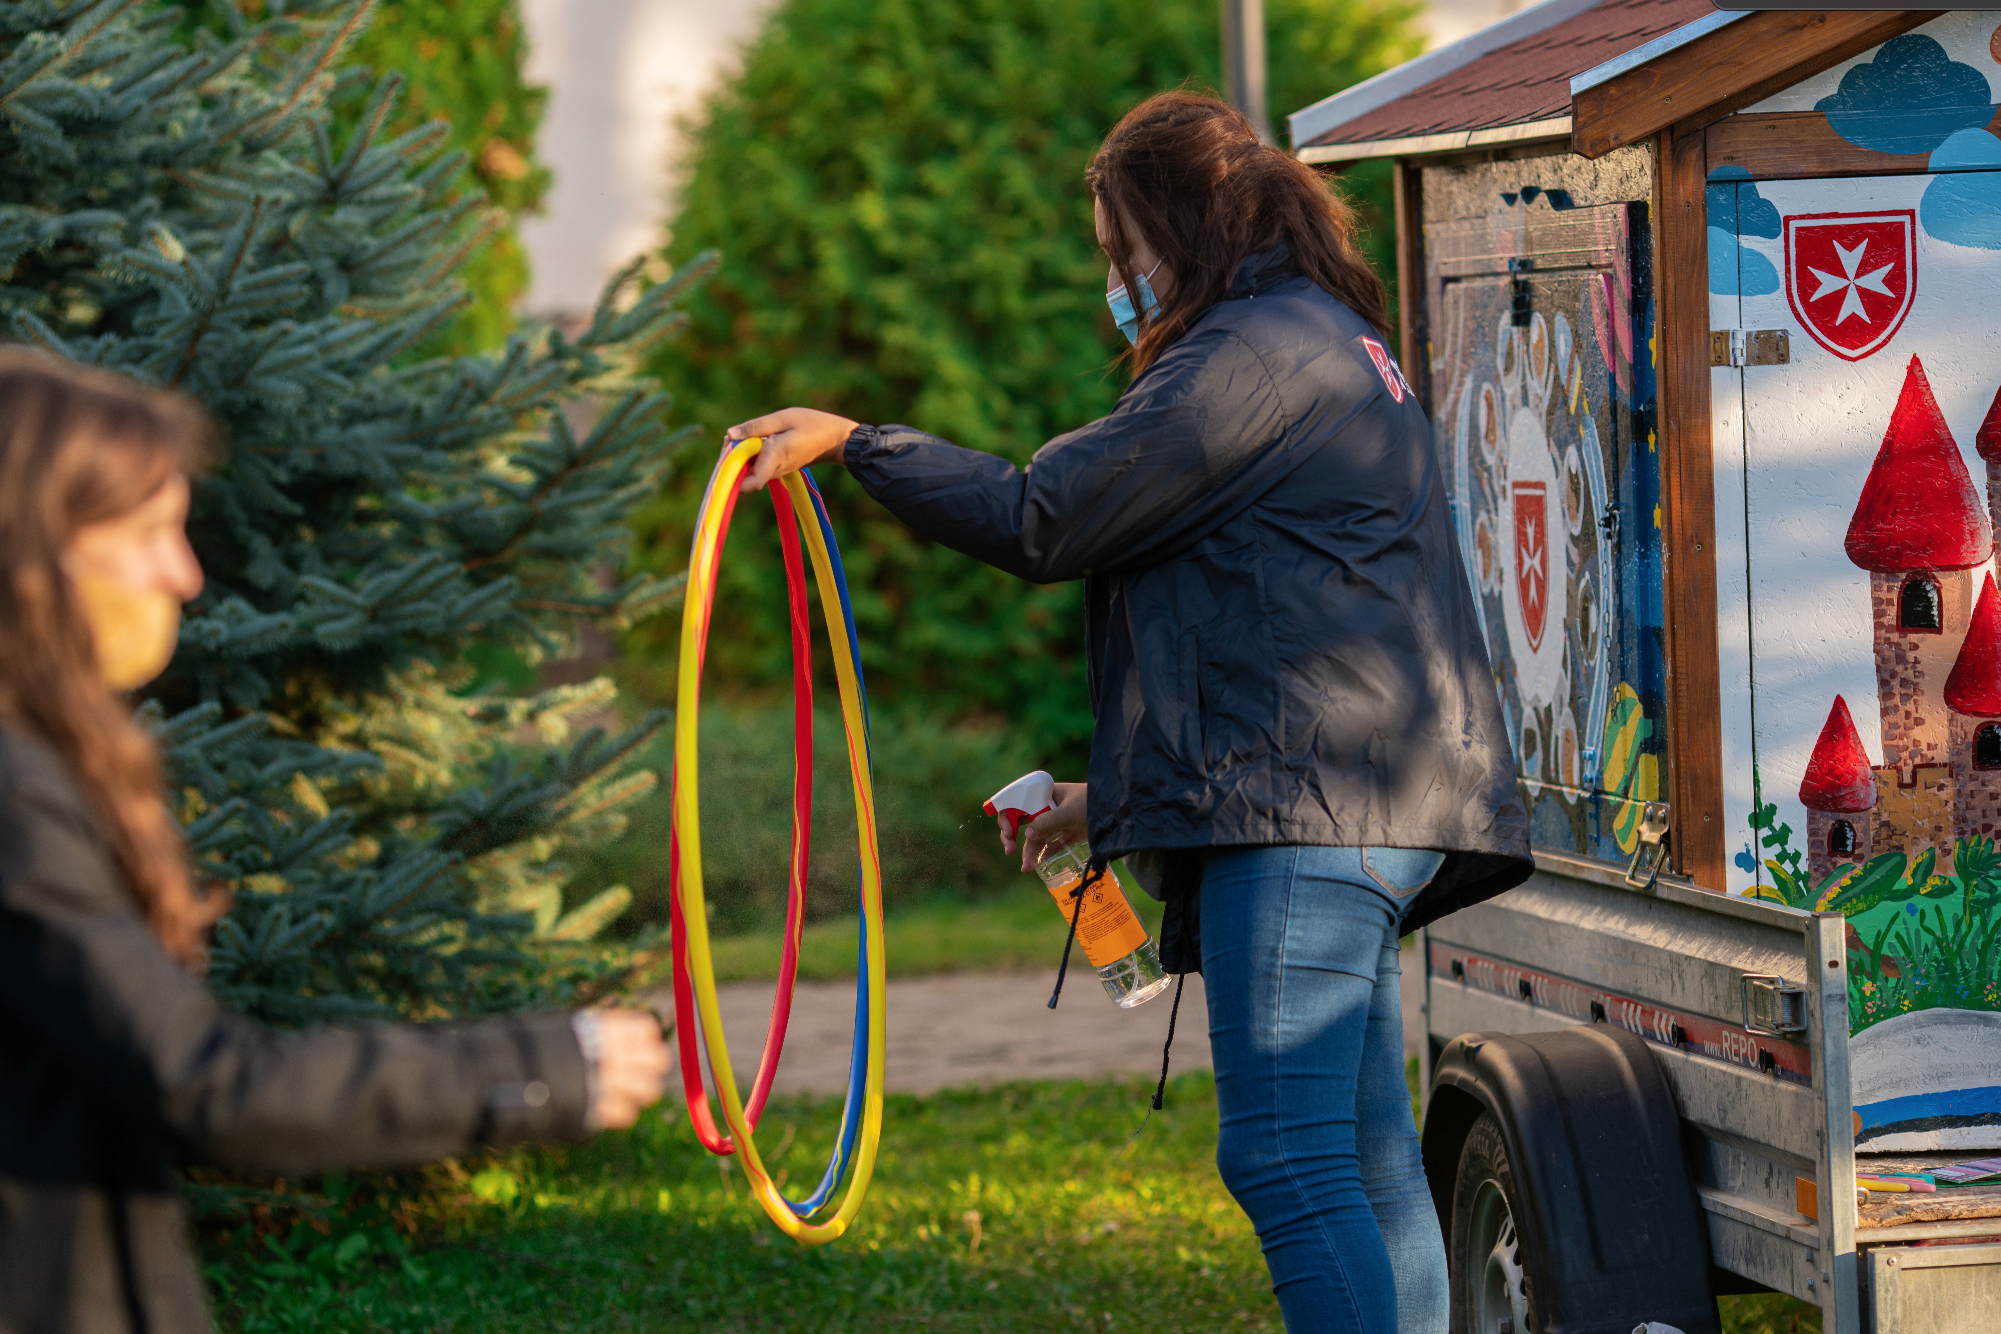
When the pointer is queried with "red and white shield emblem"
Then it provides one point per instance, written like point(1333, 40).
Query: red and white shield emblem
point(1532, 557)
point(1850, 277)
point(1386, 367)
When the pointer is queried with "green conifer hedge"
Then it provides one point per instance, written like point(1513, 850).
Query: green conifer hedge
point(898, 188)
point(461, 61)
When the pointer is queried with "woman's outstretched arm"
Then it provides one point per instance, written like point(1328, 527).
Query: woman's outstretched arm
point(85, 987)
point(1188, 446)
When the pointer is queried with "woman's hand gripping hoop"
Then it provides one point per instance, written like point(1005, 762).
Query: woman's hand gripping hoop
point(694, 968)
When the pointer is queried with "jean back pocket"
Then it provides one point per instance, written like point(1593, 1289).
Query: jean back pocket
point(1401, 872)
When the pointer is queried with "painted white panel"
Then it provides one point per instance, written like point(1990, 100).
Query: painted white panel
point(1928, 1081)
point(1813, 429)
point(1968, 36)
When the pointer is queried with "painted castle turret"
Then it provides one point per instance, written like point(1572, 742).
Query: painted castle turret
point(1973, 693)
point(1987, 441)
point(1839, 793)
point(1921, 531)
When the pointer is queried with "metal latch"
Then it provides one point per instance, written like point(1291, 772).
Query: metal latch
point(1750, 347)
point(1773, 1006)
point(1655, 817)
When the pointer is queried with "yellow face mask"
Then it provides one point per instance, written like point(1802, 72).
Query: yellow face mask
point(135, 632)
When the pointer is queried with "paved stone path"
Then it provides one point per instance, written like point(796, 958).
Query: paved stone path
point(977, 1028)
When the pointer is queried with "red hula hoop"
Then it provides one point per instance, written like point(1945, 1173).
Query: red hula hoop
point(802, 832)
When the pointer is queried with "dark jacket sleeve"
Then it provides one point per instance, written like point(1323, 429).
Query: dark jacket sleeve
point(81, 974)
point(1172, 462)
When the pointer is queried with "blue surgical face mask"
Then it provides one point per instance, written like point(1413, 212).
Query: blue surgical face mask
point(1121, 303)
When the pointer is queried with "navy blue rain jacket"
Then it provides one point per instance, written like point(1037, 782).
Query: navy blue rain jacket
point(1283, 645)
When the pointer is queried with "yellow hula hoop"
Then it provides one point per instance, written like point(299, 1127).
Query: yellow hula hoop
point(687, 812)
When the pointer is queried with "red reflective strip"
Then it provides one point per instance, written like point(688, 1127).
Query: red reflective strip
point(1573, 1000)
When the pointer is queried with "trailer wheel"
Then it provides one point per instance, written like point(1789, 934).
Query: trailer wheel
point(1490, 1292)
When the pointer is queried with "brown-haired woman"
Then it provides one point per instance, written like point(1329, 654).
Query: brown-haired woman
point(1297, 740)
point(115, 1063)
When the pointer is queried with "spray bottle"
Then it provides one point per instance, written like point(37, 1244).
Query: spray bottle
point(1114, 939)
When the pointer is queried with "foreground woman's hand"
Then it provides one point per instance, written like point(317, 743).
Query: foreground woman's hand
point(793, 438)
point(1061, 823)
point(633, 1065)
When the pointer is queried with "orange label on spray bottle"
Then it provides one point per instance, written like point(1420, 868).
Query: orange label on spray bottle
point(1107, 928)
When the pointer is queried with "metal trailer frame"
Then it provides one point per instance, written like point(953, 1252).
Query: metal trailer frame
point(1714, 983)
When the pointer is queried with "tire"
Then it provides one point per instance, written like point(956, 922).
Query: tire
point(1490, 1286)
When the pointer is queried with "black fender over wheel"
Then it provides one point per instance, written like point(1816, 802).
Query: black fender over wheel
point(1557, 1166)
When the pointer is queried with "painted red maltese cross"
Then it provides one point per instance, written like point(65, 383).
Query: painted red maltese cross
point(1532, 557)
point(1850, 277)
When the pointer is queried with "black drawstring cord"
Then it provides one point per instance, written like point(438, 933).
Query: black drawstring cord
point(1160, 1090)
point(1092, 871)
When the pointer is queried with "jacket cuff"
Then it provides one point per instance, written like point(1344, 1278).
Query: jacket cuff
point(535, 1082)
point(859, 442)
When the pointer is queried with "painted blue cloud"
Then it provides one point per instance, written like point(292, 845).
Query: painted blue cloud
point(1740, 209)
point(1963, 205)
point(1735, 268)
point(1968, 150)
point(1909, 99)
point(1737, 209)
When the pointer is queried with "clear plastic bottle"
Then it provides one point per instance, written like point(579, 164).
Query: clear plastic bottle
point(1112, 936)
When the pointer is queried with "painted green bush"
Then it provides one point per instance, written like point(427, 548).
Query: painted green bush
point(1921, 936)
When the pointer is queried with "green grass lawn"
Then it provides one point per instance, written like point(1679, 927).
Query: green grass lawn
point(1033, 1207)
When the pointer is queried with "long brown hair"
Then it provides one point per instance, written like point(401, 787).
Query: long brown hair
point(1187, 173)
point(79, 445)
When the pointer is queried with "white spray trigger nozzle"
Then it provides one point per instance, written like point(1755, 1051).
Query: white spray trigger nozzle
point(1022, 800)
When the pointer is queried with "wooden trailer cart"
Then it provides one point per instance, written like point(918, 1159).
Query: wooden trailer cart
point(1706, 311)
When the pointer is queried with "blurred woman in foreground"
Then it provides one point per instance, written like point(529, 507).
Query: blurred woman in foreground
point(115, 1063)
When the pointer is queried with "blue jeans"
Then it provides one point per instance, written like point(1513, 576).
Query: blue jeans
point(1299, 959)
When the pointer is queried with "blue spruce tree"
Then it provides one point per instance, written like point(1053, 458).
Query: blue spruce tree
point(179, 202)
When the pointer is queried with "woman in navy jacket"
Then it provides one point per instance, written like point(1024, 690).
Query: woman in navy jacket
point(1297, 740)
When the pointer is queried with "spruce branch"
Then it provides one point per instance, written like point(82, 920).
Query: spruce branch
point(185, 208)
point(309, 81)
point(215, 292)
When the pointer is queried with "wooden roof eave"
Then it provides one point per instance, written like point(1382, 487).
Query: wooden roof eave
point(1722, 70)
point(1450, 141)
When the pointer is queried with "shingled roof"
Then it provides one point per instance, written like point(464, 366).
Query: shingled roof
point(1508, 81)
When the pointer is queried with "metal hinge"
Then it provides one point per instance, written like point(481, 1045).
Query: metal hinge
point(1750, 347)
point(1655, 819)
point(1773, 1006)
